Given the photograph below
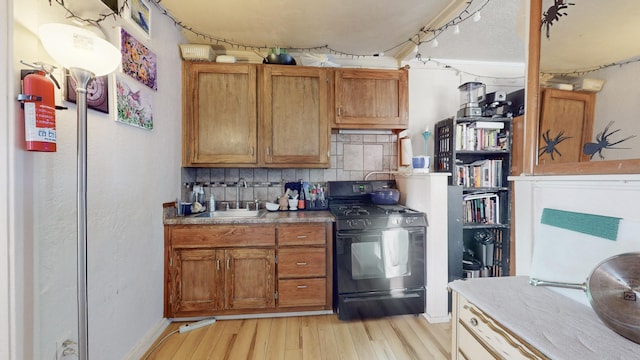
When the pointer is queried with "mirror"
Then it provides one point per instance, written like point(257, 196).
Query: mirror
point(583, 132)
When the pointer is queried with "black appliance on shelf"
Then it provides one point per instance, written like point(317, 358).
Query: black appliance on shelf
point(379, 253)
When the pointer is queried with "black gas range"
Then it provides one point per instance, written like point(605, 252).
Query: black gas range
point(379, 253)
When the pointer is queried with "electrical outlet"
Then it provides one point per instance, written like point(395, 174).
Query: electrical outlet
point(67, 350)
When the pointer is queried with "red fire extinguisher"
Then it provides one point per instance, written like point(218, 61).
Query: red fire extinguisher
point(39, 109)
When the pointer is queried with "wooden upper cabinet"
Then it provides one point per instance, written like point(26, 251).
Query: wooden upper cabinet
point(219, 114)
point(371, 99)
point(295, 106)
point(566, 124)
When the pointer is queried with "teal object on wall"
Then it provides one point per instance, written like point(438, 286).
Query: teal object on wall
point(597, 225)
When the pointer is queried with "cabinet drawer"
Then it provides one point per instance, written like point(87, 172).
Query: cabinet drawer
point(470, 348)
point(301, 234)
point(489, 335)
point(302, 262)
point(302, 292)
point(223, 236)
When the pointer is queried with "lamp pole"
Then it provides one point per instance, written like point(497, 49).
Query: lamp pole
point(82, 78)
point(86, 56)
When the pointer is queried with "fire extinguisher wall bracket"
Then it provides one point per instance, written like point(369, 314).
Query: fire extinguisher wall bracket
point(25, 97)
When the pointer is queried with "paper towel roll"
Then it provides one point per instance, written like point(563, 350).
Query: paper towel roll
point(406, 151)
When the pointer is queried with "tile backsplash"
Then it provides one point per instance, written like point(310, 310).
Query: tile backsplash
point(353, 156)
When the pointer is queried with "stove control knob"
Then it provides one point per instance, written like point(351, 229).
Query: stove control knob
point(350, 223)
point(409, 220)
point(367, 222)
point(396, 221)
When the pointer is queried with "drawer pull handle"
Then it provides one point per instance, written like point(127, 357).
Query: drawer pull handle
point(301, 263)
point(218, 264)
point(474, 322)
point(302, 286)
point(302, 236)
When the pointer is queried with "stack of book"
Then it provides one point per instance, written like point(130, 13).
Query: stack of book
point(481, 173)
point(482, 208)
point(481, 135)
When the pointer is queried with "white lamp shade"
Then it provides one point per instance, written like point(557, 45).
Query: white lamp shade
point(74, 47)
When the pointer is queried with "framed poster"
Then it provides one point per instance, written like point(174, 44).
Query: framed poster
point(137, 60)
point(133, 103)
point(97, 92)
point(111, 4)
point(140, 14)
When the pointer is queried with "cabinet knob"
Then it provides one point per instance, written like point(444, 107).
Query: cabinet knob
point(474, 322)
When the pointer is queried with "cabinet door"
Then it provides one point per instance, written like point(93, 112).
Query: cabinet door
point(566, 124)
point(249, 278)
point(295, 116)
point(196, 282)
point(371, 99)
point(219, 114)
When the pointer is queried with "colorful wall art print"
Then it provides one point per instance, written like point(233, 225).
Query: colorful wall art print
point(137, 60)
point(133, 103)
point(141, 15)
point(97, 92)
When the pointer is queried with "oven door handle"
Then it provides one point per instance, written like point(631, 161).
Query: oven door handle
point(381, 297)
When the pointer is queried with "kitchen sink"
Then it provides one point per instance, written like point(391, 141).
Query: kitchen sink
point(231, 213)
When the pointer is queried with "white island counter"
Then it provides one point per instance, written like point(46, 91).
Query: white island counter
point(543, 323)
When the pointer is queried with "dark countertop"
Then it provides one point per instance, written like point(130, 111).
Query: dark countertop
point(265, 217)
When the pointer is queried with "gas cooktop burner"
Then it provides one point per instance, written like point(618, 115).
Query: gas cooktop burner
point(370, 209)
point(353, 210)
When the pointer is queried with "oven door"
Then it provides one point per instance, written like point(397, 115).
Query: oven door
point(379, 260)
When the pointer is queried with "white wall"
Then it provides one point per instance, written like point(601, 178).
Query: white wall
point(434, 94)
point(607, 195)
point(8, 342)
point(618, 102)
point(131, 172)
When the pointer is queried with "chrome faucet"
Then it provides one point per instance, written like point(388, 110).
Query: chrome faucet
point(241, 182)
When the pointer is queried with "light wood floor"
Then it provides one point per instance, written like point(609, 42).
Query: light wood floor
point(308, 337)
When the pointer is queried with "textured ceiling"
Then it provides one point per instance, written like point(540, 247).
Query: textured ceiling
point(591, 34)
point(360, 27)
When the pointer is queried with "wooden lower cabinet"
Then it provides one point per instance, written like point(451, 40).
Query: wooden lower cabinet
point(302, 292)
point(249, 279)
point(231, 269)
point(304, 266)
point(207, 280)
point(196, 282)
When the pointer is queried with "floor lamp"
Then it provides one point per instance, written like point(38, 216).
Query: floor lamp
point(86, 56)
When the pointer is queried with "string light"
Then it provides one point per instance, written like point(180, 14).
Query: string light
point(582, 72)
point(464, 15)
point(458, 71)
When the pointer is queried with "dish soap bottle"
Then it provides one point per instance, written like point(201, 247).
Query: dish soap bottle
point(212, 203)
point(301, 199)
